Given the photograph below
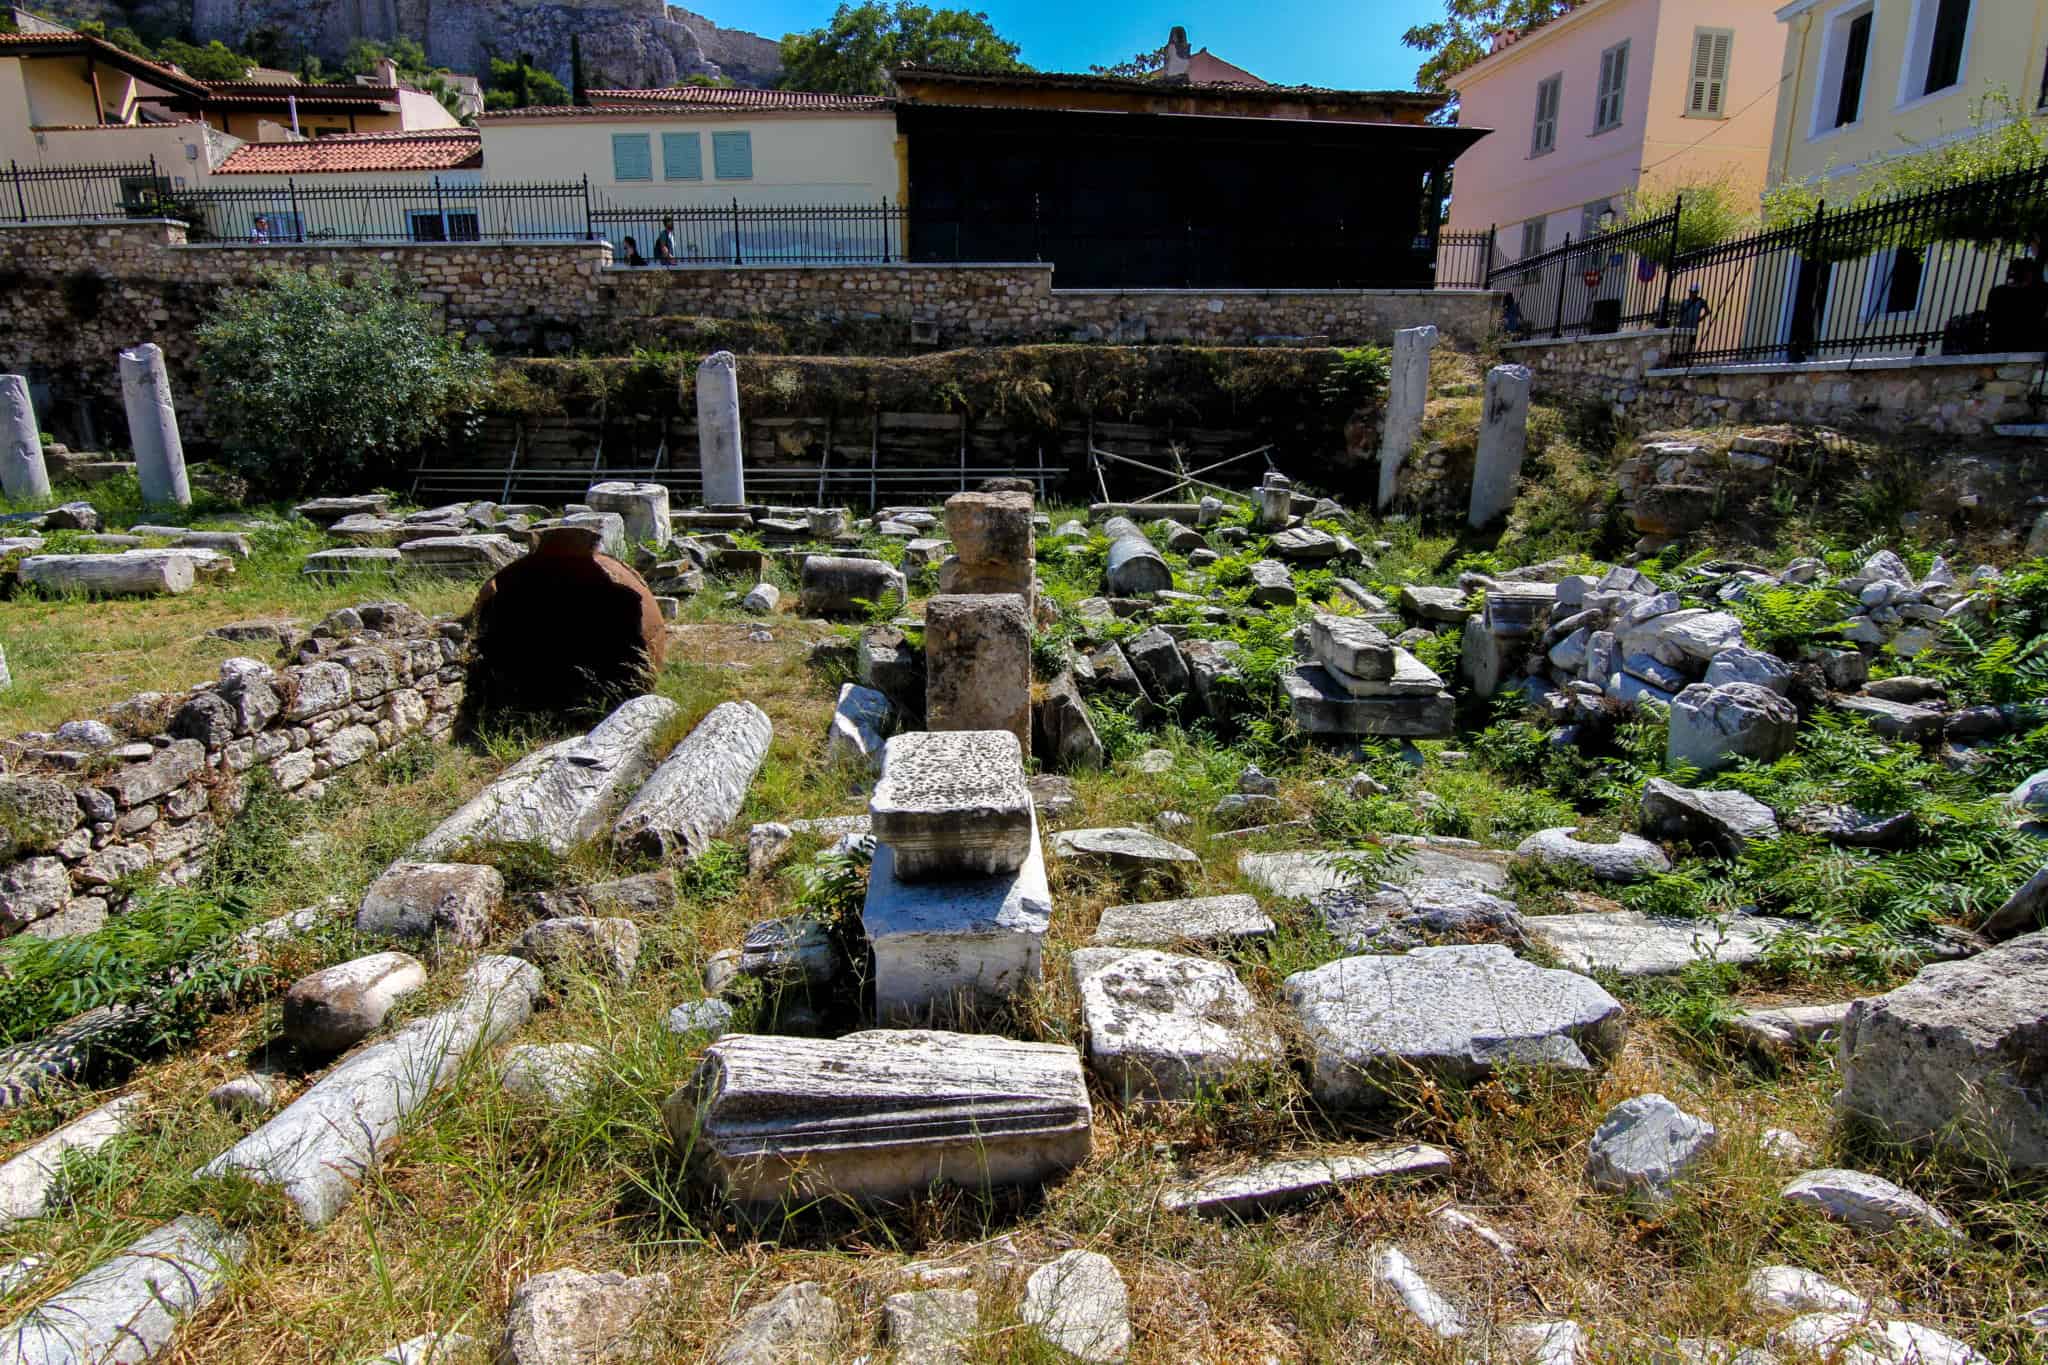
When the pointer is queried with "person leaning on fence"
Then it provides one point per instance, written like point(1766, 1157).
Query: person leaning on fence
point(665, 244)
point(1511, 321)
point(259, 231)
point(1693, 313)
point(633, 256)
point(2016, 312)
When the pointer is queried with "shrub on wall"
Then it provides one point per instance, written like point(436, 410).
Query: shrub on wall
point(320, 382)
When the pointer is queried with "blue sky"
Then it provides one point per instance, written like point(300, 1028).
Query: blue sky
point(1350, 44)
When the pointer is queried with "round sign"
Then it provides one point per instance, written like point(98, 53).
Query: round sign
point(1592, 278)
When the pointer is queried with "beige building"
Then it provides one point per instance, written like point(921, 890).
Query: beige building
point(1610, 97)
point(694, 152)
point(1869, 80)
point(67, 99)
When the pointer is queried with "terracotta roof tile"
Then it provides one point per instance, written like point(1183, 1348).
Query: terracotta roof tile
point(60, 44)
point(438, 149)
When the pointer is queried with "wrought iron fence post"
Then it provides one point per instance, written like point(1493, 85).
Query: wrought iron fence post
point(298, 222)
point(20, 199)
point(1670, 263)
point(737, 259)
point(589, 224)
point(440, 208)
point(888, 228)
point(1799, 343)
point(1564, 262)
point(1486, 261)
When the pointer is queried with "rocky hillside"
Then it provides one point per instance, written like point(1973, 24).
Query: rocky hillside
point(625, 42)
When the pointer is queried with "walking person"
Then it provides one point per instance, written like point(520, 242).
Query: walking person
point(665, 244)
point(259, 232)
point(633, 257)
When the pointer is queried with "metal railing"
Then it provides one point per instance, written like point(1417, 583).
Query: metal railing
point(1464, 259)
point(1602, 283)
point(428, 211)
point(42, 194)
point(1906, 276)
point(772, 235)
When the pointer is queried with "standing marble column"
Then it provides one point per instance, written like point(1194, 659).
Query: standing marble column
point(23, 476)
point(1407, 393)
point(153, 426)
point(720, 442)
point(1503, 439)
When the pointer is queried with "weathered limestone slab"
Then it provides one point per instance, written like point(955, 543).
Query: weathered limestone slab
point(607, 947)
point(978, 664)
point(931, 1326)
point(1297, 1180)
point(699, 788)
point(1407, 395)
point(859, 723)
point(992, 534)
point(139, 573)
point(1729, 820)
point(572, 1317)
point(880, 1115)
point(953, 804)
point(1503, 440)
point(570, 796)
point(1164, 1027)
point(1783, 1029)
point(555, 1074)
point(26, 1180)
point(427, 901)
point(1863, 1200)
point(1351, 645)
point(351, 561)
point(337, 1007)
point(1417, 913)
point(23, 475)
point(1711, 727)
point(1218, 920)
point(1956, 1053)
point(1451, 1012)
point(1645, 1145)
point(721, 442)
point(946, 946)
point(460, 556)
point(1394, 1272)
point(801, 1325)
point(1324, 706)
point(835, 586)
point(322, 1142)
point(428, 1348)
point(1125, 852)
point(642, 506)
point(1631, 943)
point(129, 1307)
point(1272, 584)
point(1629, 858)
point(1077, 1304)
point(153, 426)
point(1860, 1339)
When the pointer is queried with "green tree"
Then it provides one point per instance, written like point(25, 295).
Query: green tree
point(521, 85)
point(852, 55)
point(214, 62)
point(319, 382)
point(363, 56)
point(1136, 68)
point(579, 88)
point(1465, 33)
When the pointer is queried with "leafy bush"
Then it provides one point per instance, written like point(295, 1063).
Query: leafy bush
point(1358, 379)
point(1710, 213)
point(317, 382)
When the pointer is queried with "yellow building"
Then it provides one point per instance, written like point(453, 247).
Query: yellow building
point(67, 99)
point(1869, 80)
point(694, 152)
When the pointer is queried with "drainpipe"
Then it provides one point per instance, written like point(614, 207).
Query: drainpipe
point(1793, 98)
point(292, 101)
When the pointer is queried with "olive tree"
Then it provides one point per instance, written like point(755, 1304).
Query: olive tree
point(317, 382)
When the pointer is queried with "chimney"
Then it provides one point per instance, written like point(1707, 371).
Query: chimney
point(386, 71)
point(1176, 52)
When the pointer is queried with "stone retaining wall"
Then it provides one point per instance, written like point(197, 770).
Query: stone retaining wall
point(71, 295)
point(80, 819)
point(1627, 372)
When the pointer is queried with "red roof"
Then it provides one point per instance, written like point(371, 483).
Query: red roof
point(85, 45)
point(436, 149)
point(701, 99)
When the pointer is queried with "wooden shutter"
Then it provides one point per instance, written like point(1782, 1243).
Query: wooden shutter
point(682, 156)
point(632, 158)
point(1710, 51)
point(1613, 80)
point(732, 155)
point(1544, 135)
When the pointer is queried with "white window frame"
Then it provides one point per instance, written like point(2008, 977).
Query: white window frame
point(1693, 78)
point(1541, 225)
point(1618, 95)
point(1920, 50)
point(1538, 144)
point(1827, 89)
point(1877, 285)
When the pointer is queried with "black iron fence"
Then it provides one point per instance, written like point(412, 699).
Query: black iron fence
point(44, 194)
point(1602, 283)
point(1464, 259)
point(737, 235)
point(1919, 274)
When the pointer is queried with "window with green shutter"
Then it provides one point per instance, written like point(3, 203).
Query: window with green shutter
point(732, 156)
point(632, 158)
point(682, 156)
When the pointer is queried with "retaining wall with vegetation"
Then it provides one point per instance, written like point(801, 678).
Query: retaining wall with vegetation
point(1627, 373)
point(81, 820)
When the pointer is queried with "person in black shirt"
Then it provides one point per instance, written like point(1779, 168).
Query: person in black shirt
point(2016, 313)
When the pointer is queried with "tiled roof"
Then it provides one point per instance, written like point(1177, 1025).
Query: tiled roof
point(1154, 85)
point(286, 89)
point(438, 149)
point(700, 99)
point(83, 44)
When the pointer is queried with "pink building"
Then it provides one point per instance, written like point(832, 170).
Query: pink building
point(1614, 95)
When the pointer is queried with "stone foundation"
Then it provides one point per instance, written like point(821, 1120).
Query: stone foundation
point(1627, 373)
point(86, 820)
